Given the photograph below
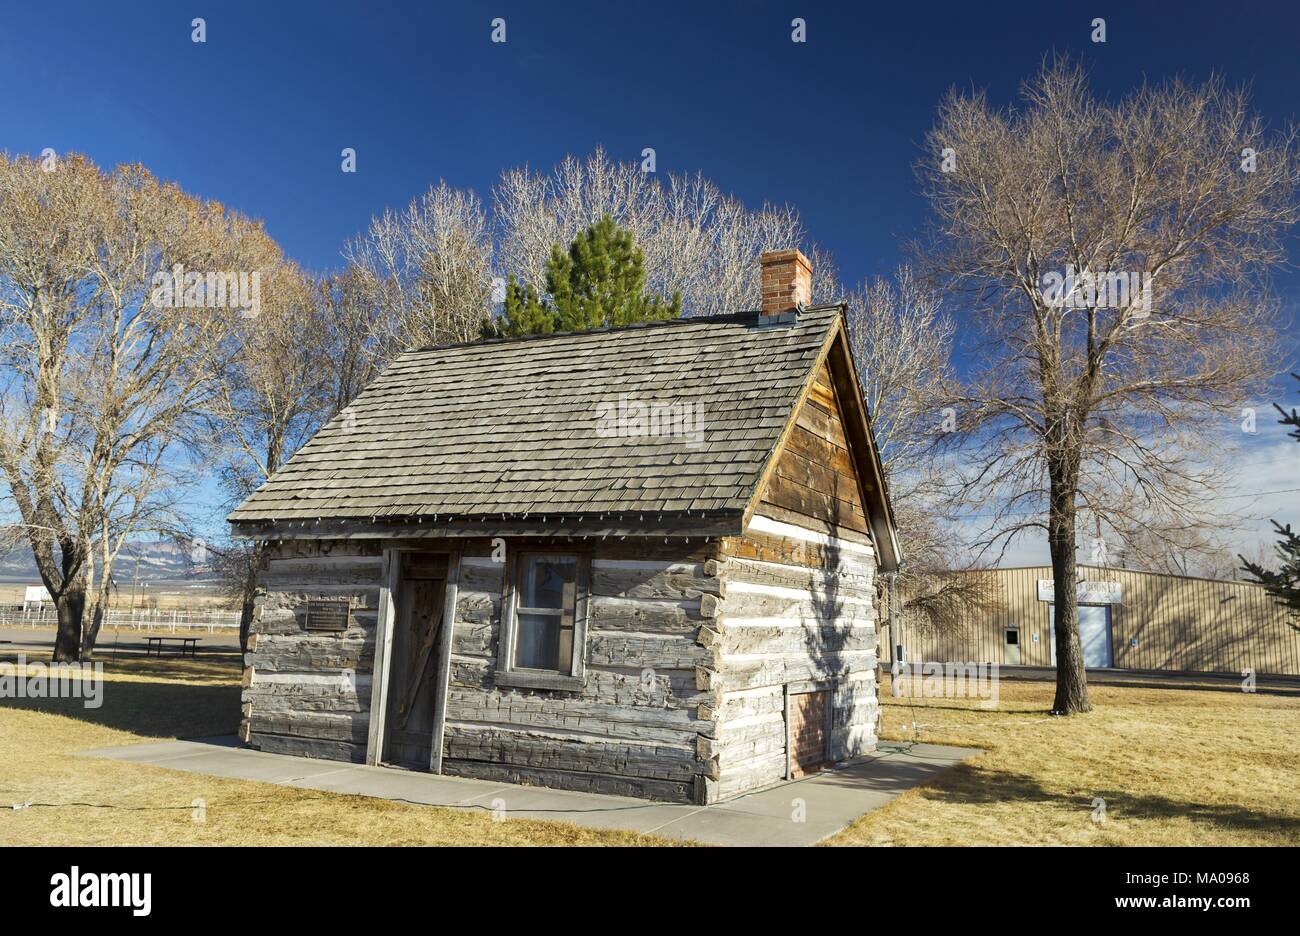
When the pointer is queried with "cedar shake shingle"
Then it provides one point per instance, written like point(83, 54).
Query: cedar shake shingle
point(510, 427)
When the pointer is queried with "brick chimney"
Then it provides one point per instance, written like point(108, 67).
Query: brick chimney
point(787, 281)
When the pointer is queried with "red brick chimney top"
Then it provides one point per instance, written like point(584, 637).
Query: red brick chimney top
point(787, 280)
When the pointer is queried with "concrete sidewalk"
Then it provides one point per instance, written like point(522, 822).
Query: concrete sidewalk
point(830, 800)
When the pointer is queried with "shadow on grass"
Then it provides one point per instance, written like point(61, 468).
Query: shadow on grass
point(921, 707)
point(971, 785)
point(890, 775)
point(1265, 684)
point(206, 669)
point(149, 709)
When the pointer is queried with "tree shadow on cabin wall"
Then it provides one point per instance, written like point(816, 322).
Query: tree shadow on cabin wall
point(828, 639)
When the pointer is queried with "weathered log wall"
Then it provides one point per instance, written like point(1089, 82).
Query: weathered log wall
point(633, 729)
point(690, 652)
point(801, 609)
point(807, 622)
point(308, 692)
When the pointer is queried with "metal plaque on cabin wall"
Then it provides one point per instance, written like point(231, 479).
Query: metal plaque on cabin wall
point(327, 614)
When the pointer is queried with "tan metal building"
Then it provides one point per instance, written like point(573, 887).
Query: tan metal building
point(1129, 620)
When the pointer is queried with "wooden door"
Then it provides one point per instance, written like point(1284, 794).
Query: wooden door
point(809, 723)
point(412, 688)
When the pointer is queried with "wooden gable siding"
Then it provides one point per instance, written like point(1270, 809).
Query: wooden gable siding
point(800, 610)
point(815, 479)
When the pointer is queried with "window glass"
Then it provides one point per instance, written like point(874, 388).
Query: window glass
point(537, 641)
point(545, 607)
point(543, 579)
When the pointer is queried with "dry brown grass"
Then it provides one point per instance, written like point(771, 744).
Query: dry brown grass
point(1174, 766)
point(141, 805)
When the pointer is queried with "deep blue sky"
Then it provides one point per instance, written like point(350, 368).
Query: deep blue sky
point(257, 116)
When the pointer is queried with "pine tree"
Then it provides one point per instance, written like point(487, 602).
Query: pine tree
point(524, 313)
point(598, 282)
point(1283, 584)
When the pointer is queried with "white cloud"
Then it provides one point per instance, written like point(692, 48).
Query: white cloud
point(1264, 486)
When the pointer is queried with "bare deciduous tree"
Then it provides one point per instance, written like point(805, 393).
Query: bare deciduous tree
point(1114, 257)
point(426, 272)
point(903, 343)
point(278, 387)
point(103, 388)
point(697, 241)
point(348, 317)
point(424, 275)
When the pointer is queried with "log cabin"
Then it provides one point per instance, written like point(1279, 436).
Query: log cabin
point(639, 560)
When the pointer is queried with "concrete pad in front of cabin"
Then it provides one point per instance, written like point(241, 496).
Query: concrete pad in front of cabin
point(514, 800)
point(157, 752)
point(805, 811)
point(219, 758)
point(390, 783)
point(720, 825)
point(596, 811)
point(268, 768)
point(801, 812)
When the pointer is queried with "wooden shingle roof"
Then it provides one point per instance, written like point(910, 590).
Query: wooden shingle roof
point(518, 431)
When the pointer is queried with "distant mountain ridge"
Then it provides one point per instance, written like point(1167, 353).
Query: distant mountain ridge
point(158, 562)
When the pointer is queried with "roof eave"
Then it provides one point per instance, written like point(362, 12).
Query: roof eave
point(880, 512)
point(669, 526)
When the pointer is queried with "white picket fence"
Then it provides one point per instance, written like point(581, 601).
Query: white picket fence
point(138, 619)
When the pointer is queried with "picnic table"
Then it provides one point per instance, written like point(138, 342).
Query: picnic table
point(186, 643)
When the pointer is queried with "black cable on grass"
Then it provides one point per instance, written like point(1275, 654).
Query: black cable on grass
point(19, 807)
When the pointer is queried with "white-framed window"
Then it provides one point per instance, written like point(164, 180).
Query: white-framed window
point(543, 627)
